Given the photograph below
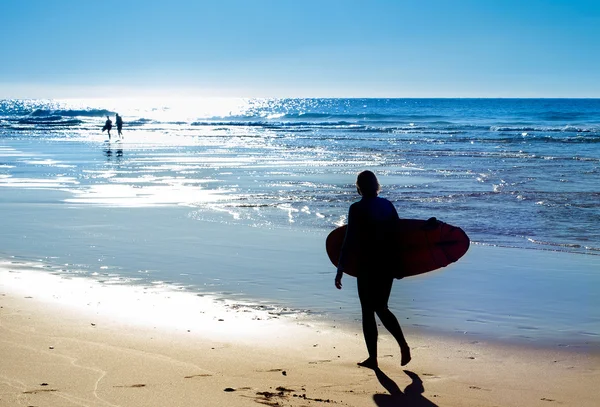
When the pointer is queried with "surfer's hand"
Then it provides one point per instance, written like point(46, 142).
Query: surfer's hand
point(338, 279)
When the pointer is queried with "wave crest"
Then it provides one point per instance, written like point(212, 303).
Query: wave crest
point(71, 112)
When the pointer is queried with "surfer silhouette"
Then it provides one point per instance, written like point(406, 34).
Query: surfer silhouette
point(372, 222)
point(119, 122)
point(107, 126)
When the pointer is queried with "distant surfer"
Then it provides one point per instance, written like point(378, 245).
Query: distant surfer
point(372, 223)
point(119, 122)
point(107, 126)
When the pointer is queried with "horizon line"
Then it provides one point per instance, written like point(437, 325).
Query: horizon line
point(300, 97)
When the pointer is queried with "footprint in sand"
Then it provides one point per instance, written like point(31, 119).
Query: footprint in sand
point(478, 388)
point(39, 391)
point(283, 372)
point(319, 361)
point(270, 398)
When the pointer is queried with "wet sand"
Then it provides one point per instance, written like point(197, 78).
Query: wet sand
point(78, 342)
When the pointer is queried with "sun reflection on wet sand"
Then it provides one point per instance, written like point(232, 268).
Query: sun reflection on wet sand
point(159, 305)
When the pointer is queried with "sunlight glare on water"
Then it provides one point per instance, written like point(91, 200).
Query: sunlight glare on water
point(512, 172)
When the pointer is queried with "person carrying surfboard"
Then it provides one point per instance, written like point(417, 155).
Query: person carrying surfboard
point(107, 126)
point(372, 224)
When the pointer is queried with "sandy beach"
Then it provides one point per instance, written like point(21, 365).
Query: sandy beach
point(77, 342)
point(185, 265)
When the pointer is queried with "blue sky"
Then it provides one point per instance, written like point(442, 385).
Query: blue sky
point(286, 48)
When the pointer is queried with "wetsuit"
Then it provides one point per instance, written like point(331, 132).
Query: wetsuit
point(107, 127)
point(119, 124)
point(372, 224)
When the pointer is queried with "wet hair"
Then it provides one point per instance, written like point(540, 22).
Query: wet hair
point(367, 184)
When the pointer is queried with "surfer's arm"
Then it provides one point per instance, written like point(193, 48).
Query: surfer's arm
point(340, 267)
point(349, 239)
point(338, 279)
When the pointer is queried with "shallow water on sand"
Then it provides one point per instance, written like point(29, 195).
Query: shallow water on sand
point(500, 293)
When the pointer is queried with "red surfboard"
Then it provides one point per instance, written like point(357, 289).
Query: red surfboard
point(423, 245)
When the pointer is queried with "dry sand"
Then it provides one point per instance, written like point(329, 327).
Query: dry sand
point(80, 343)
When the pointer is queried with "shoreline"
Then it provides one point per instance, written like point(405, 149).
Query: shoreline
point(69, 342)
point(460, 310)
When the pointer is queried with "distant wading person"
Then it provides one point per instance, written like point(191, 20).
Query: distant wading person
point(107, 126)
point(119, 122)
point(372, 224)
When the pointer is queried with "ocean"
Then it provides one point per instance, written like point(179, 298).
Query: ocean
point(234, 197)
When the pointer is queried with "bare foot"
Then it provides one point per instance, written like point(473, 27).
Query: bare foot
point(405, 356)
point(369, 363)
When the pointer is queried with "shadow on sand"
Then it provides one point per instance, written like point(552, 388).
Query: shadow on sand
point(411, 397)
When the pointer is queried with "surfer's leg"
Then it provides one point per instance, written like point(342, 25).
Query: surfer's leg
point(369, 324)
point(389, 320)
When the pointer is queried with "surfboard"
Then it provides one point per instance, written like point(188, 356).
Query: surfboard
point(423, 246)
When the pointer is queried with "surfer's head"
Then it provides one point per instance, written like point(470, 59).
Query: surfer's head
point(367, 184)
